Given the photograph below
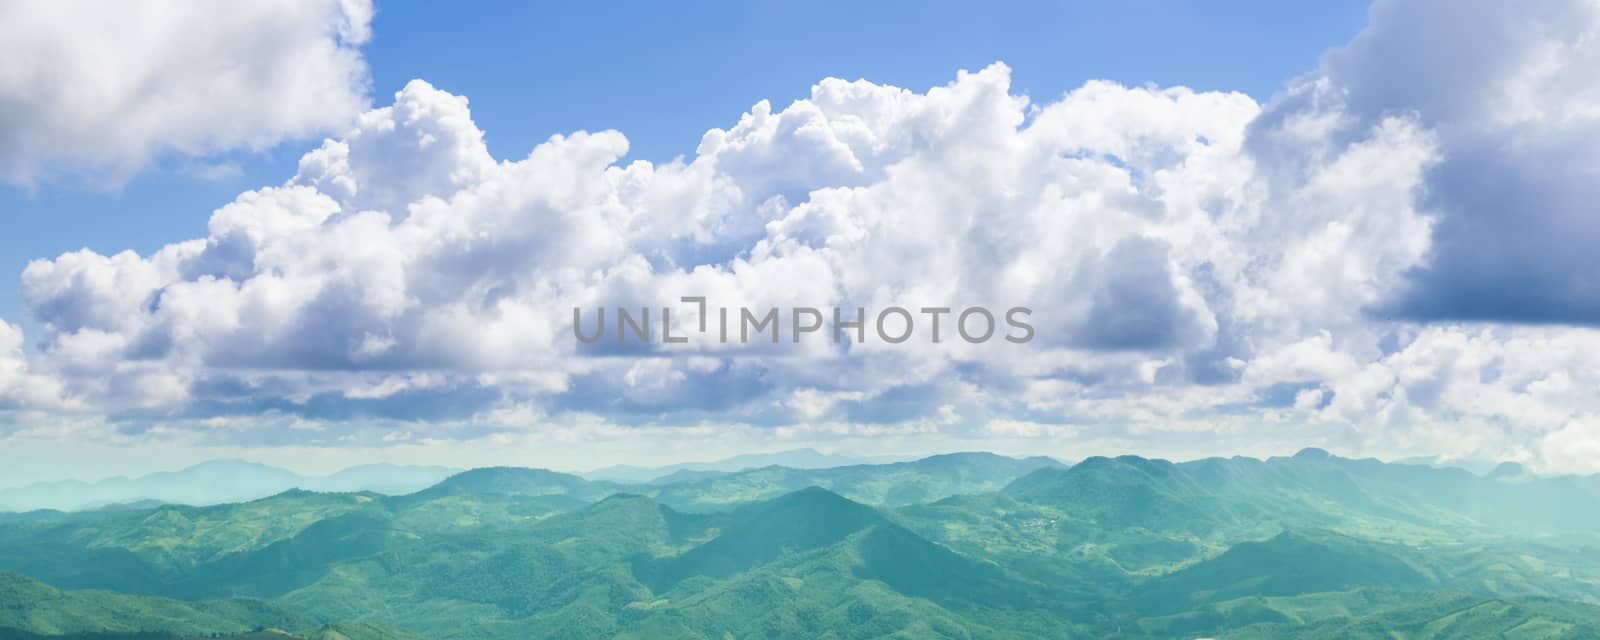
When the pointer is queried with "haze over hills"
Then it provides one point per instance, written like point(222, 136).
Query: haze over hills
point(231, 480)
point(1480, 467)
point(966, 545)
point(215, 482)
point(890, 484)
point(791, 458)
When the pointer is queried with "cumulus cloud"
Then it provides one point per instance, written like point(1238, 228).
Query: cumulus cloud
point(19, 387)
point(403, 261)
point(98, 90)
point(1199, 265)
point(1513, 97)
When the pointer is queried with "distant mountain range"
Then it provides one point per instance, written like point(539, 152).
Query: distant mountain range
point(215, 482)
point(793, 459)
point(892, 484)
point(695, 484)
point(222, 481)
point(966, 545)
point(1480, 467)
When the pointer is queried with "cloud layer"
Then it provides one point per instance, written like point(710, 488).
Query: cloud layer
point(1512, 96)
point(98, 90)
point(1389, 257)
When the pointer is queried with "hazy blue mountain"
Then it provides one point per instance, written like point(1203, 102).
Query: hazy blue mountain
point(1509, 471)
point(1311, 489)
point(210, 482)
point(1480, 467)
point(793, 458)
point(388, 479)
point(969, 545)
point(890, 484)
point(893, 484)
point(687, 475)
point(520, 481)
point(214, 482)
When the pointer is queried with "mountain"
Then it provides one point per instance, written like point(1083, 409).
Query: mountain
point(1310, 489)
point(517, 481)
point(970, 545)
point(893, 484)
point(31, 606)
point(1375, 614)
point(797, 522)
point(210, 482)
point(813, 563)
point(1403, 615)
point(1116, 520)
point(388, 479)
point(1509, 471)
point(1289, 564)
point(792, 458)
point(1479, 467)
point(214, 482)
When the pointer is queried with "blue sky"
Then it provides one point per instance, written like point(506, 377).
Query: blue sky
point(1243, 227)
point(664, 74)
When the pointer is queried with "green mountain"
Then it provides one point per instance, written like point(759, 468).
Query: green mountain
point(342, 631)
point(517, 481)
point(215, 482)
point(793, 459)
point(1289, 564)
point(812, 519)
point(802, 521)
point(33, 606)
point(959, 546)
point(896, 484)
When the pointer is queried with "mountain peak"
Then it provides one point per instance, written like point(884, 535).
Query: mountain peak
point(807, 519)
point(805, 458)
point(814, 495)
point(1313, 453)
point(959, 455)
point(229, 464)
point(1291, 563)
point(510, 480)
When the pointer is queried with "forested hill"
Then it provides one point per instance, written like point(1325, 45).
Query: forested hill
point(960, 546)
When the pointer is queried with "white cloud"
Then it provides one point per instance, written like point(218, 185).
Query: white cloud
point(1132, 221)
point(1199, 266)
point(20, 387)
point(98, 90)
point(1511, 94)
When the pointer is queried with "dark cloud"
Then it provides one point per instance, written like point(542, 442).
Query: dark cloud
point(1134, 304)
point(1509, 94)
point(1516, 237)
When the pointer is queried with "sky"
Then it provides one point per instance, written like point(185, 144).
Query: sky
point(664, 75)
point(325, 233)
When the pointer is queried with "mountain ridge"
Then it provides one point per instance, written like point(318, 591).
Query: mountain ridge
point(215, 482)
point(803, 458)
point(972, 545)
